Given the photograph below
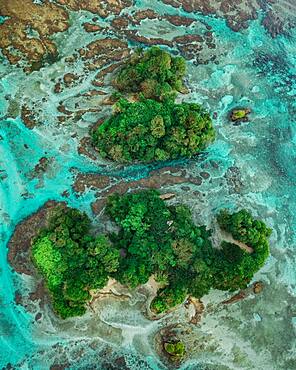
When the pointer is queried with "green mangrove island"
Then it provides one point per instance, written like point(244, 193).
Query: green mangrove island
point(152, 127)
point(151, 238)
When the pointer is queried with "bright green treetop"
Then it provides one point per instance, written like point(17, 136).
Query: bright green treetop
point(148, 130)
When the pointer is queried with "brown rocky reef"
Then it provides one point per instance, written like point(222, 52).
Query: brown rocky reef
point(163, 178)
point(25, 33)
point(102, 8)
point(277, 14)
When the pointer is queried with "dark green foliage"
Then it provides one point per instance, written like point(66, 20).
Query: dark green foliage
point(72, 261)
point(244, 227)
point(237, 267)
point(152, 239)
point(168, 297)
point(154, 72)
point(232, 253)
point(153, 128)
point(148, 130)
point(161, 240)
point(176, 350)
point(144, 235)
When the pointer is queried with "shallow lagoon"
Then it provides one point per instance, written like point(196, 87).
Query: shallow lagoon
point(254, 70)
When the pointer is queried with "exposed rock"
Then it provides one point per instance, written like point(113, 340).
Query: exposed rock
point(120, 23)
point(28, 117)
point(107, 46)
point(62, 109)
point(186, 39)
point(167, 196)
point(94, 93)
point(102, 8)
point(178, 20)
point(157, 179)
point(38, 294)
point(144, 14)
point(59, 367)
point(101, 53)
point(38, 316)
point(185, 188)
point(57, 88)
point(23, 18)
point(18, 298)
point(174, 3)
point(86, 148)
point(91, 181)
point(237, 297)
point(205, 175)
point(69, 78)
point(198, 309)
point(236, 14)
point(134, 36)
point(65, 194)
point(40, 168)
point(258, 287)
point(121, 363)
point(99, 78)
point(90, 27)
point(197, 47)
point(195, 180)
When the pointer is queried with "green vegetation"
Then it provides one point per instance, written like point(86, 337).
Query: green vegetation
point(239, 265)
point(153, 127)
point(175, 350)
point(240, 114)
point(154, 72)
point(72, 261)
point(163, 240)
point(148, 130)
point(152, 239)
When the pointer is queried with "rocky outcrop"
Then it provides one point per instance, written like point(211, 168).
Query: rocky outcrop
point(256, 288)
point(92, 181)
point(23, 18)
point(102, 8)
point(28, 117)
point(157, 179)
point(239, 115)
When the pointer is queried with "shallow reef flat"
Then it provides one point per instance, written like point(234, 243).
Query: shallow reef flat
point(58, 60)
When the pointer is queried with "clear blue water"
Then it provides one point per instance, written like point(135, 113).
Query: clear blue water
point(254, 70)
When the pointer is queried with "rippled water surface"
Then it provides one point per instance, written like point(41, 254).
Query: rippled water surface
point(252, 165)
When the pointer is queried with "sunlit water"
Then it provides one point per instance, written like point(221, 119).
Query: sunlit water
point(254, 70)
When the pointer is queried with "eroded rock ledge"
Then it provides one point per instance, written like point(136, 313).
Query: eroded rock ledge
point(156, 179)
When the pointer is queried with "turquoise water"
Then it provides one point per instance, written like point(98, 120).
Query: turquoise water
point(254, 70)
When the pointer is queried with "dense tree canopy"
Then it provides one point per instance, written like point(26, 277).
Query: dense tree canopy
point(72, 261)
point(163, 240)
point(240, 266)
point(152, 239)
point(155, 73)
point(148, 130)
point(152, 127)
